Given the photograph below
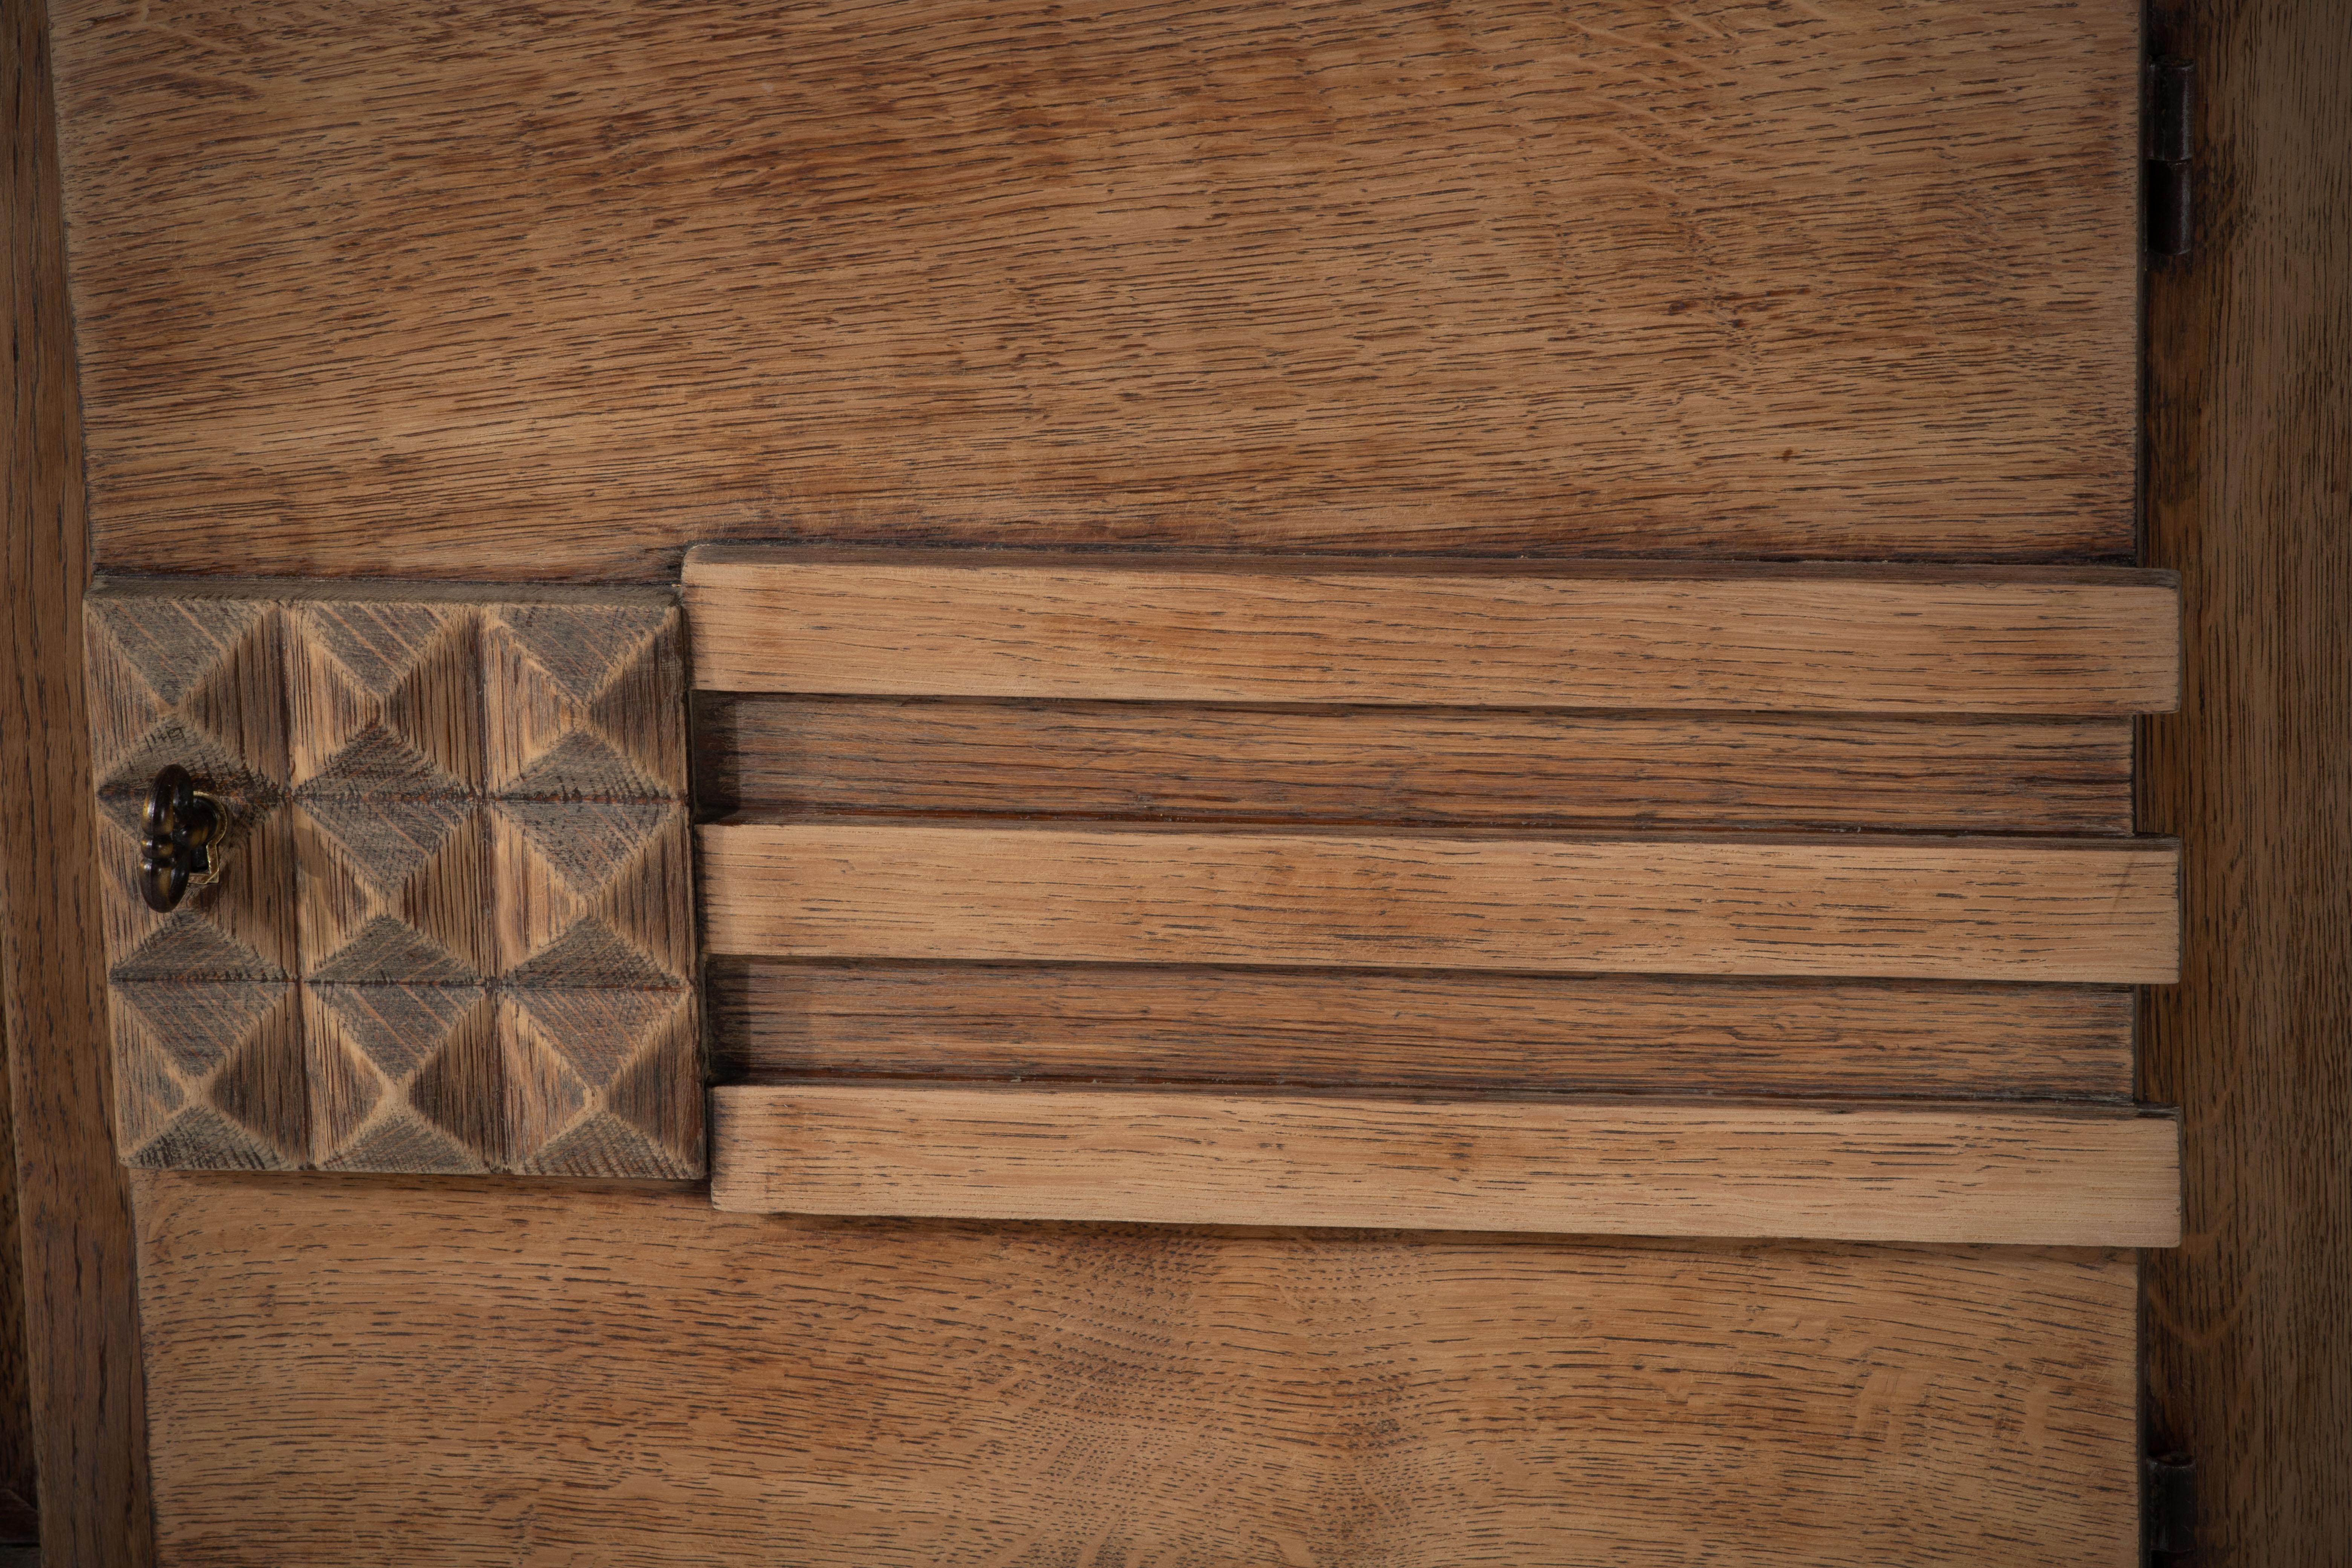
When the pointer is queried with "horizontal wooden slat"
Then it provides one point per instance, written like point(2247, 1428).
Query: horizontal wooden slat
point(1847, 639)
point(2045, 1175)
point(1424, 766)
point(776, 1019)
point(2083, 910)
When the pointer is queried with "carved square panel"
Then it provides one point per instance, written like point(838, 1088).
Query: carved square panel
point(386, 698)
point(453, 927)
point(581, 702)
point(593, 892)
point(209, 1073)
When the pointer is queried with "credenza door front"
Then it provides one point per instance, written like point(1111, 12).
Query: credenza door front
point(1343, 784)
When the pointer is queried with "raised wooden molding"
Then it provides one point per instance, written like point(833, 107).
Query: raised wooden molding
point(454, 931)
point(2042, 1174)
point(2019, 909)
point(1855, 639)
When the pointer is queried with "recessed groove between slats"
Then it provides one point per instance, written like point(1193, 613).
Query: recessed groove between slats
point(2086, 911)
point(1398, 766)
point(779, 1019)
point(2086, 641)
point(2065, 1176)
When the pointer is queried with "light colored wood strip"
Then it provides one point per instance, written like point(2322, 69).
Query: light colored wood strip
point(775, 1020)
point(2039, 1175)
point(1423, 766)
point(1899, 909)
point(1949, 641)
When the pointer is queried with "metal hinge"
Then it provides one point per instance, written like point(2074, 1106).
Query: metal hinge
point(2171, 125)
point(2171, 1502)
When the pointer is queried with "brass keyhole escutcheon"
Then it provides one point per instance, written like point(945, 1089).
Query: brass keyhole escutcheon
point(183, 834)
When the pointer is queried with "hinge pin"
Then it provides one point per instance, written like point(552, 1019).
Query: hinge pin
point(2172, 1509)
point(2171, 149)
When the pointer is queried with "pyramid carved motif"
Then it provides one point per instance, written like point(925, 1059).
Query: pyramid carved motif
point(210, 1063)
point(454, 931)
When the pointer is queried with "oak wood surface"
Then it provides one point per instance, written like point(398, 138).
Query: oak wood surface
point(2250, 496)
point(548, 292)
point(81, 1322)
point(1432, 767)
point(1809, 638)
point(775, 1019)
point(2016, 1175)
point(623, 1375)
point(453, 927)
point(2021, 909)
point(554, 291)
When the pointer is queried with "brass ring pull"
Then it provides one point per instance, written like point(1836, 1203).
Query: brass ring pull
point(182, 831)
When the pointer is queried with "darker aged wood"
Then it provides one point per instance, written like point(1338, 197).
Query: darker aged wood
point(2092, 910)
point(553, 292)
point(454, 931)
point(19, 1468)
point(1557, 635)
point(704, 1389)
point(1430, 767)
point(2250, 491)
point(81, 1325)
point(773, 1020)
point(2016, 1175)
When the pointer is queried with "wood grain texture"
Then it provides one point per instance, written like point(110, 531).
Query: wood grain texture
point(2249, 492)
point(1416, 766)
point(81, 1322)
point(455, 931)
point(1852, 639)
point(624, 1375)
point(490, 290)
point(19, 1465)
point(2034, 1175)
point(2023, 908)
point(772, 1020)
point(558, 290)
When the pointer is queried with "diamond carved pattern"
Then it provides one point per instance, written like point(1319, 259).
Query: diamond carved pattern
point(584, 702)
point(205, 1016)
point(210, 1073)
point(387, 698)
point(456, 932)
